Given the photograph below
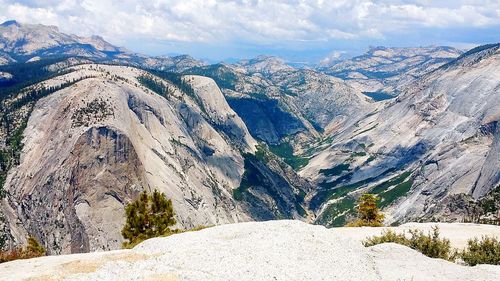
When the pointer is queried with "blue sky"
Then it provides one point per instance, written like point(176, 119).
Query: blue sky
point(296, 30)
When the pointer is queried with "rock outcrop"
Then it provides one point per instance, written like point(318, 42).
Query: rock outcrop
point(92, 146)
point(437, 139)
point(277, 250)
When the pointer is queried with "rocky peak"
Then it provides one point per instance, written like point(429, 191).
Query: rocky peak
point(265, 65)
point(38, 39)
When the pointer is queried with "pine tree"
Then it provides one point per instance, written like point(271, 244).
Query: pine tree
point(148, 216)
point(368, 212)
point(34, 249)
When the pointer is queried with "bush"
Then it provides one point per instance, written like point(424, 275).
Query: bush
point(430, 245)
point(32, 250)
point(368, 212)
point(484, 251)
point(148, 216)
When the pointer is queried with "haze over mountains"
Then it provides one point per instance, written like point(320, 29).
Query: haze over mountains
point(86, 126)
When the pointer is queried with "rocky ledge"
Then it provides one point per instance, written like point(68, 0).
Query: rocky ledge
point(274, 250)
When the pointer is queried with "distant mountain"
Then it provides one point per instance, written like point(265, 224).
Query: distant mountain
point(384, 69)
point(265, 65)
point(30, 42)
point(429, 154)
point(24, 41)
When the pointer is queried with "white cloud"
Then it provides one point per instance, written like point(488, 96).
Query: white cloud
point(332, 57)
point(254, 21)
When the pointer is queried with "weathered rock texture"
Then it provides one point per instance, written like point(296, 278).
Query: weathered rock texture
point(92, 147)
point(277, 250)
point(282, 104)
point(388, 70)
point(443, 131)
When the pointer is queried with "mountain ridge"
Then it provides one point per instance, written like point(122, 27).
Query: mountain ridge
point(253, 140)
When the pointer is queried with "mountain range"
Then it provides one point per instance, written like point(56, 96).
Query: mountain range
point(86, 126)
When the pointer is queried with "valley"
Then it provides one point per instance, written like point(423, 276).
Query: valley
point(86, 126)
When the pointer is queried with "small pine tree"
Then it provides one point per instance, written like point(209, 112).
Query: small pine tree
point(148, 216)
point(34, 249)
point(368, 212)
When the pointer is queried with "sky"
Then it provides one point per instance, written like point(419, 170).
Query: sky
point(298, 30)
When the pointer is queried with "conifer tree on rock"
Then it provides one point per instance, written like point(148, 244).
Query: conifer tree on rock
point(150, 215)
point(368, 212)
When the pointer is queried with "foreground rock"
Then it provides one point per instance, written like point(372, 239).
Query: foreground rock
point(275, 250)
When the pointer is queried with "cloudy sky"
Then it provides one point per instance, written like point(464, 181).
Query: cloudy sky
point(295, 29)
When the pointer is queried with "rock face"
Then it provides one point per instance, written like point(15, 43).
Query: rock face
point(437, 139)
point(94, 145)
point(30, 40)
point(280, 103)
point(176, 64)
point(387, 70)
point(277, 250)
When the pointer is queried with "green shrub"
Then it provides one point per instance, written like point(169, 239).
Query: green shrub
point(430, 245)
point(388, 236)
point(148, 216)
point(32, 250)
point(484, 251)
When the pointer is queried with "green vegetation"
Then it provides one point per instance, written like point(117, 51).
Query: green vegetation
point(484, 251)
point(335, 213)
point(285, 151)
point(262, 154)
point(400, 186)
point(224, 78)
point(389, 196)
point(370, 159)
point(96, 110)
point(430, 245)
point(148, 216)
point(26, 74)
point(387, 192)
point(299, 199)
point(393, 181)
point(330, 192)
point(3, 231)
point(261, 175)
point(368, 212)
point(335, 171)
point(251, 176)
point(485, 210)
point(176, 79)
point(155, 85)
point(32, 250)
point(358, 154)
point(364, 131)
